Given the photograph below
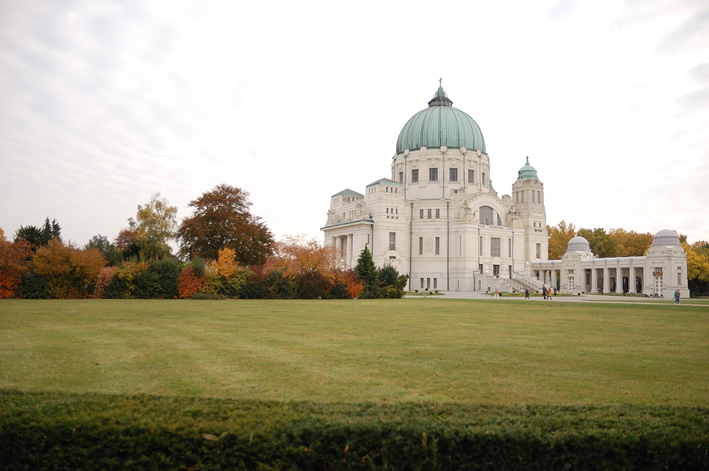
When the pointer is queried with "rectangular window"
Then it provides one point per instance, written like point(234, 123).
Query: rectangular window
point(429, 214)
point(539, 250)
point(421, 283)
point(435, 283)
point(495, 247)
point(679, 275)
point(387, 210)
point(420, 245)
point(522, 195)
point(392, 241)
point(433, 174)
point(428, 283)
point(480, 251)
point(415, 175)
point(480, 268)
point(471, 175)
point(421, 213)
point(483, 178)
point(438, 213)
point(509, 248)
point(533, 197)
point(516, 197)
point(460, 245)
point(453, 174)
point(438, 245)
point(401, 177)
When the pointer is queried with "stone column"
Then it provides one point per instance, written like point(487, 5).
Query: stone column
point(338, 246)
point(350, 249)
point(631, 280)
point(553, 278)
point(606, 280)
point(618, 280)
point(594, 281)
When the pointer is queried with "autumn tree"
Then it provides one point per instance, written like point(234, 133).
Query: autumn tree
point(13, 256)
point(559, 237)
point(221, 219)
point(154, 226)
point(697, 266)
point(602, 244)
point(630, 243)
point(127, 242)
point(312, 267)
point(70, 272)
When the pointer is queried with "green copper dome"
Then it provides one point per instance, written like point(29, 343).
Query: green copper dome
point(440, 125)
point(527, 171)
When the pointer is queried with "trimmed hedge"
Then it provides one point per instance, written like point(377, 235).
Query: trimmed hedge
point(58, 431)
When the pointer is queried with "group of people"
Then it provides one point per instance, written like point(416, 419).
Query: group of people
point(546, 292)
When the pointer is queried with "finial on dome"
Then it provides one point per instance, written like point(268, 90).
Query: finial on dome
point(527, 160)
point(440, 98)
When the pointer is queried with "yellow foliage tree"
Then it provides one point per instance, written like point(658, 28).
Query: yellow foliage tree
point(225, 275)
point(697, 263)
point(630, 243)
point(559, 237)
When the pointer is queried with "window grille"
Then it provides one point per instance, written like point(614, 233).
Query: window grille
point(433, 174)
point(415, 175)
point(495, 247)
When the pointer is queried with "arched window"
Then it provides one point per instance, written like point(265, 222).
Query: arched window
point(487, 215)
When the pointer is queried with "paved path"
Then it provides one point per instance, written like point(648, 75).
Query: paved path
point(586, 298)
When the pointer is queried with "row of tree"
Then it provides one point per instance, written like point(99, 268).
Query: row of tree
point(622, 243)
point(224, 252)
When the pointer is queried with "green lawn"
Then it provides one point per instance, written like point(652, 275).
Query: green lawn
point(413, 350)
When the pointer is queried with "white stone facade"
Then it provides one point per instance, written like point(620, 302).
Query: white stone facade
point(449, 230)
point(659, 273)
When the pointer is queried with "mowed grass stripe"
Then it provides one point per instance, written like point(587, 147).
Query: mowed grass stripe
point(430, 350)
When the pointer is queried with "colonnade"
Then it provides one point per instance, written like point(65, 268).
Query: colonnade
point(605, 273)
point(343, 245)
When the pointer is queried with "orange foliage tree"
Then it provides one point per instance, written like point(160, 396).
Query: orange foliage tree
point(104, 278)
point(189, 283)
point(70, 272)
point(13, 256)
point(301, 256)
point(312, 267)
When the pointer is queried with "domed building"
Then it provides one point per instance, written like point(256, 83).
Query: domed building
point(439, 218)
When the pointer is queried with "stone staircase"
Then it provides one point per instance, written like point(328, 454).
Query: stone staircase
point(521, 282)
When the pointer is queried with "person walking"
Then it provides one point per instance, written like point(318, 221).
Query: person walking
point(526, 293)
point(497, 293)
point(544, 292)
point(677, 295)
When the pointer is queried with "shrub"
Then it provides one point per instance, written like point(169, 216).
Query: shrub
point(55, 431)
point(33, 286)
point(188, 283)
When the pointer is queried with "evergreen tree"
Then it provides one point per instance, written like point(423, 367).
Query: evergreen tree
point(368, 273)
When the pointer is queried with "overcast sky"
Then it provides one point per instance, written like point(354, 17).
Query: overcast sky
point(104, 103)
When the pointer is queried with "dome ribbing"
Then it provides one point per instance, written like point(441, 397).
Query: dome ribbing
point(440, 125)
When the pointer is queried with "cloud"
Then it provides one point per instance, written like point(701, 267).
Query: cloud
point(562, 9)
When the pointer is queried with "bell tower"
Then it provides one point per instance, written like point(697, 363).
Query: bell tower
point(528, 201)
